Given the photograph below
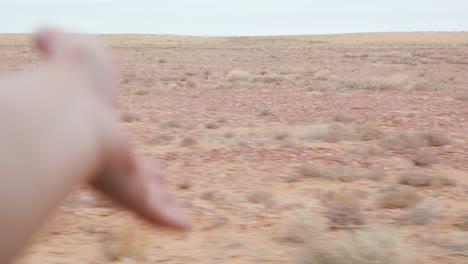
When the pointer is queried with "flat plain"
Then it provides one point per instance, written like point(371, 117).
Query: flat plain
point(282, 149)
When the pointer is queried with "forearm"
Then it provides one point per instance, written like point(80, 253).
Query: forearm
point(48, 143)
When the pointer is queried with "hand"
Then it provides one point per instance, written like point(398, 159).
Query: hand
point(138, 184)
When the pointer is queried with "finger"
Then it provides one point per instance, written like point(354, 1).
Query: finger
point(168, 215)
point(44, 39)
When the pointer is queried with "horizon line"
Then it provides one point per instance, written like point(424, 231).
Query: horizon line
point(259, 35)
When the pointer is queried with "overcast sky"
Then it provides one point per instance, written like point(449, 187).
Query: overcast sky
point(235, 17)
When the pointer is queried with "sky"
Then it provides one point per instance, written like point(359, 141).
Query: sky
point(234, 18)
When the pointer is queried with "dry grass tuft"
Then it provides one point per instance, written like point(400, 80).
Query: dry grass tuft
point(444, 181)
point(413, 139)
point(171, 124)
point(269, 79)
point(287, 144)
point(376, 175)
point(405, 141)
point(260, 197)
point(436, 138)
point(221, 196)
point(190, 84)
point(336, 132)
point(425, 159)
point(188, 141)
point(346, 173)
point(186, 184)
point(292, 178)
point(229, 135)
point(368, 150)
point(343, 209)
point(142, 92)
point(371, 245)
point(462, 97)
point(418, 179)
point(125, 241)
point(313, 170)
point(213, 125)
point(344, 117)
point(128, 117)
point(160, 140)
point(336, 172)
point(301, 225)
point(281, 136)
point(462, 222)
point(455, 241)
point(341, 196)
point(243, 143)
point(367, 133)
point(322, 75)
point(391, 83)
point(399, 198)
point(422, 179)
point(331, 132)
point(221, 119)
point(237, 75)
point(212, 195)
point(267, 112)
point(421, 215)
point(323, 86)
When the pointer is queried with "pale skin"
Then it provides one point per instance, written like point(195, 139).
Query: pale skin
point(59, 130)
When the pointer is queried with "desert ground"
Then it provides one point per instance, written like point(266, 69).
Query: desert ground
point(289, 149)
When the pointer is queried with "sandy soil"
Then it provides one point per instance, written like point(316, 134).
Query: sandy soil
point(232, 142)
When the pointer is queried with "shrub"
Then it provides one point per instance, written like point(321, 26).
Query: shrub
point(417, 179)
point(422, 179)
point(368, 150)
point(376, 174)
point(372, 245)
point(188, 141)
point(436, 138)
point(186, 184)
point(267, 112)
point(413, 139)
point(129, 117)
point(190, 84)
point(171, 124)
point(269, 79)
point(425, 159)
point(336, 172)
point(462, 222)
point(323, 87)
point(237, 75)
point(344, 215)
point(142, 92)
point(399, 198)
point(213, 125)
point(124, 241)
point(281, 136)
point(391, 83)
point(301, 225)
point(421, 215)
point(344, 117)
point(160, 140)
point(336, 132)
point(367, 133)
point(221, 119)
point(322, 75)
point(313, 170)
point(463, 97)
point(260, 197)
